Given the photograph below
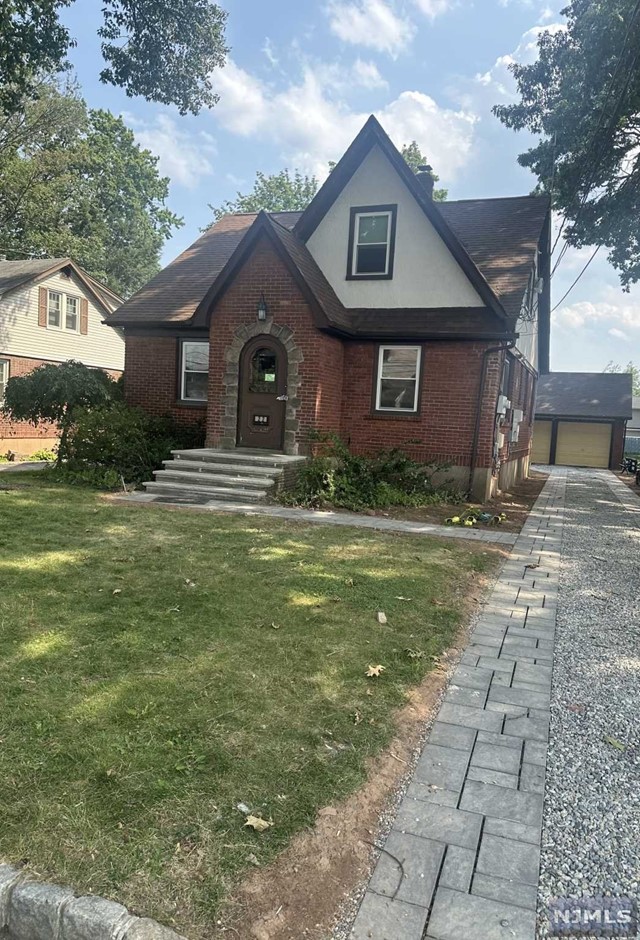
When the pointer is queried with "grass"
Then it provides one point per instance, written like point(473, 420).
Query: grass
point(160, 667)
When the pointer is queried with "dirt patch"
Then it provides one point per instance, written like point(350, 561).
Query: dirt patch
point(516, 504)
point(300, 895)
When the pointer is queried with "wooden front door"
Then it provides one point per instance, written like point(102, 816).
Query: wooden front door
point(262, 394)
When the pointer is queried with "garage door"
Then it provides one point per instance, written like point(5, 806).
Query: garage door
point(581, 444)
point(541, 442)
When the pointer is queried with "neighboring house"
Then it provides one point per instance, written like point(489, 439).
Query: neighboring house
point(51, 311)
point(581, 419)
point(634, 424)
point(377, 313)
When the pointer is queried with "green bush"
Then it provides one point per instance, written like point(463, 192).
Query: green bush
point(45, 454)
point(115, 443)
point(337, 477)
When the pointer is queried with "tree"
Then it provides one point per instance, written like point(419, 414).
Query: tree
point(415, 159)
point(51, 393)
point(163, 51)
point(581, 98)
point(73, 182)
point(634, 371)
point(286, 191)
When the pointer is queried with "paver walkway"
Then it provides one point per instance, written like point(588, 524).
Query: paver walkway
point(461, 861)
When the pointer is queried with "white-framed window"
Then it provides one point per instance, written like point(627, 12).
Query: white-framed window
point(63, 311)
point(4, 378)
point(398, 378)
point(372, 242)
point(194, 370)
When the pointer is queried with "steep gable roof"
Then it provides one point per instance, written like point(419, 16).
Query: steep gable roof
point(15, 274)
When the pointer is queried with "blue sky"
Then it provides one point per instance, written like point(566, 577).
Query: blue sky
point(303, 76)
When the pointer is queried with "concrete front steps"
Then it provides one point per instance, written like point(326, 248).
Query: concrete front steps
point(233, 476)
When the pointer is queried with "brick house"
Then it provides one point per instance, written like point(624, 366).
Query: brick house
point(376, 313)
point(51, 311)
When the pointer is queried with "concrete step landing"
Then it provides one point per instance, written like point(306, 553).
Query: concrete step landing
point(240, 475)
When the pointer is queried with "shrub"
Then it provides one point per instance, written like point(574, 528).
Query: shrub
point(339, 478)
point(116, 443)
point(44, 454)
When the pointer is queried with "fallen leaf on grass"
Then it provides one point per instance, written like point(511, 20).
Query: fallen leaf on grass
point(615, 743)
point(414, 654)
point(434, 600)
point(348, 582)
point(375, 671)
point(328, 811)
point(404, 598)
point(244, 808)
point(254, 861)
point(258, 823)
point(382, 617)
point(189, 583)
point(117, 591)
point(357, 717)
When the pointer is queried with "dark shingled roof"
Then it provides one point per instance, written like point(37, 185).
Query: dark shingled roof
point(16, 273)
point(584, 395)
point(500, 235)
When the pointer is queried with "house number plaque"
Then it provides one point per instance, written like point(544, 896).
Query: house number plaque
point(261, 420)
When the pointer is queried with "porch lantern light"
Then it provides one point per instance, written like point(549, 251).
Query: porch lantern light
point(263, 310)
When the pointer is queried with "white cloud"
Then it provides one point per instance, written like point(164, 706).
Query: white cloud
point(311, 124)
point(185, 158)
point(367, 75)
point(371, 23)
point(433, 8)
point(618, 317)
point(618, 334)
point(499, 78)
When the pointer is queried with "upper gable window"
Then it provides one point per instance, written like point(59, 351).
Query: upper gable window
point(63, 311)
point(372, 235)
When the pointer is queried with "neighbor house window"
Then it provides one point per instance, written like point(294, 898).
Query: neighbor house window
point(194, 371)
point(398, 378)
point(63, 311)
point(372, 242)
point(4, 377)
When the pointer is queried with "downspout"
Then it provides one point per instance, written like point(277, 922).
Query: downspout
point(483, 381)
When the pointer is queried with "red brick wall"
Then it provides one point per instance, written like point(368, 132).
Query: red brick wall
point(22, 430)
point(449, 393)
point(522, 395)
point(321, 368)
point(151, 378)
point(617, 448)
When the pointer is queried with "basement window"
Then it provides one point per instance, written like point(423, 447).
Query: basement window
point(372, 234)
point(398, 378)
point(194, 370)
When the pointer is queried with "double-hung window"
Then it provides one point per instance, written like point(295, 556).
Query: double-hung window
point(4, 378)
point(194, 370)
point(398, 378)
point(371, 242)
point(63, 311)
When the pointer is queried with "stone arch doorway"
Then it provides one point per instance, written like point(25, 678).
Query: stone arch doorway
point(262, 394)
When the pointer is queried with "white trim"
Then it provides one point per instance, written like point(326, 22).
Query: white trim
point(380, 377)
point(183, 371)
point(5, 375)
point(356, 243)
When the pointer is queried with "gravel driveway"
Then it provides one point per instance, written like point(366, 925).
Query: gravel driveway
point(591, 834)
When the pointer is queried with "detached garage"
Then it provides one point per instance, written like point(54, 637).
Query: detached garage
point(581, 418)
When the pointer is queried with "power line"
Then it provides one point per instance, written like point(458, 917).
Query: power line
point(564, 297)
point(594, 137)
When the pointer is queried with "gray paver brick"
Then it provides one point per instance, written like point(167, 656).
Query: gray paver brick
point(430, 793)
point(532, 778)
point(454, 736)
point(538, 675)
point(442, 767)
point(501, 803)
point(457, 870)
point(458, 695)
point(512, 830)
point(496, 777)
point(469, 717)
point(415, 881)
point(499, 665)
point(439, 823)
point(380, 918)
point(456, 915)
point(472, 678)
point(532, 729)
point(535, 752)
point(520, 697)
point(504, 708)
point(497, 889)
point(509, 859)
point(496, 757)
point(501, 740)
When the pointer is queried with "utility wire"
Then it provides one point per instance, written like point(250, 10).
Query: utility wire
point(565, 295)
point(594, 137)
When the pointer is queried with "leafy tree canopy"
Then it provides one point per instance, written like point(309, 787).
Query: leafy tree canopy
point(73, 182)
point(51, 393)
point(634, 371)
point(581, 98)
point(286, 191)
point(163, 51)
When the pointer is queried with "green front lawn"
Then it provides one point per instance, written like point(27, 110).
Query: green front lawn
point(160, 667)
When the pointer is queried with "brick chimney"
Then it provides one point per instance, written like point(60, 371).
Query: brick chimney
point(425, 178)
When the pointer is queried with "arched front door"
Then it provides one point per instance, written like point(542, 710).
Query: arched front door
point(262, 394)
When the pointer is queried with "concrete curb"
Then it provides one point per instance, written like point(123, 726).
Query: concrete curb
point(32, 910)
